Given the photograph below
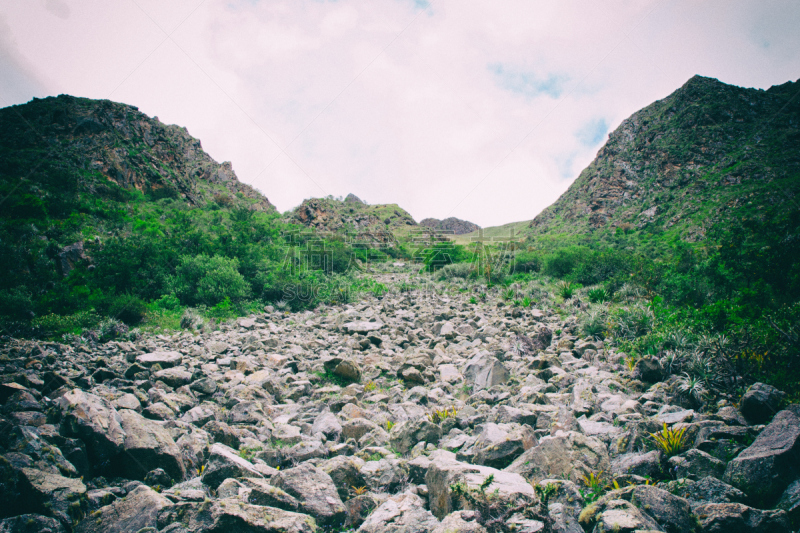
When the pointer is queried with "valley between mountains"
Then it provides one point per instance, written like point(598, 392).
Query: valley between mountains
point(178, 357)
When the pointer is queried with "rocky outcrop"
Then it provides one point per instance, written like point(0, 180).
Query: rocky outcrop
point(452, 225)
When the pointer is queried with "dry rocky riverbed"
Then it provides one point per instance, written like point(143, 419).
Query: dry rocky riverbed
point(326, 421)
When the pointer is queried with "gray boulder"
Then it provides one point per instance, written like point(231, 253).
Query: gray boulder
point(445, 473)
point(404, 513)
point(136, 511)
point(162, 359)
point(648, 369)
point(760, 403)
point(638, 464)
point(232, 515)
point(224, 463)
point(695, 464)
point(148, 445)
point(25, 489)
point(765, 469)
point(462, 522)
point(406, 435)
point(569, 455)
point(31, 523)
point(484, 371)
point(739, 518)
point(345, 472)
point(498, 448)
point(790, 501)
point(315, 492)
point(93, 420)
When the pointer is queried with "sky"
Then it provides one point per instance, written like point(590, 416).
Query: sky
point(485, 111)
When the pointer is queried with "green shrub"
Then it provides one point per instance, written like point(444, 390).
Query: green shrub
point(16, 303)
point(210, 280)
point(127, 308)
point(527, 262)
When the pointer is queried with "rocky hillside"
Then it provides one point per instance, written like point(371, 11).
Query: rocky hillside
point(707, 153)
point(57, 144)
point(452, 225)
point(353, 217)
point(416, 411)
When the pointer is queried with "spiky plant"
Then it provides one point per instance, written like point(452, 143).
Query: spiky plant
point(692, 387)
point(598, 295)
point(671, 441)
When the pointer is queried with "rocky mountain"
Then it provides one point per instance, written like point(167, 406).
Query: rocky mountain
point(352, 216)
point(95, 147)
point(408, 411)
point(453, 225)
point(707, 153)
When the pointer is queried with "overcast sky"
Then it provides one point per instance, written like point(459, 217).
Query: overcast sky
point(486, 111)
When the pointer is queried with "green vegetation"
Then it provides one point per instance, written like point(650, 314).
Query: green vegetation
point(671, 441)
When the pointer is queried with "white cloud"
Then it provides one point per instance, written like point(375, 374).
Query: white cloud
point(484, 111)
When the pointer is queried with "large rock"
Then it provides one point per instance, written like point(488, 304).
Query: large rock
point(233, 516)
point(174, 377)
point(93, 420)
point(461, 522)
point(328, 424)
point(404, 513)
point(648, 369)
point(148, 445)
point(445, 472)
point(362, 327)
point(344, 368)
point(639, 464)
point(224, 463)
point(314, 490)
point(739, 518)
point(31, 523)
point(760, 403)
point(162, 359)
point(25, 489)
point(138, 510)
point(672, 513)
point(765, 469)
point(498, 448)
point(345, 472)
point(790, 501)
point(568, 455)
point(406, 435)
point(485, 371)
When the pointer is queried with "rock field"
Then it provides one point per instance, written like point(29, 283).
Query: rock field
point(409, 413)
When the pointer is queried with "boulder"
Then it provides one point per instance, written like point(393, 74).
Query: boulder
point(707, 490)
point(770, 464)
point(790, 501)
point(328, 424)
point(484, 371)
point(497, 448)
point(25, 489)
point(648, 369)
point(760, 403)
point(31, 523)
point(224, 463)
point(262, 493)
point(136, 511)
point(233, 515)
point(461, 522)
point(403, 513)
point(386, 475)
point(619, 516)
point(174, 377)
point(638, 464)
point(739, 518)
point(362, 327)
point(345, 472)
point(445, 473)
point(93, 420)
point(148, 445)
point(406, 435)
point(344, 368)
point(162, 359)
point(695, 464)
point(568, 455)
point(315, 492)
point(672, 513)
